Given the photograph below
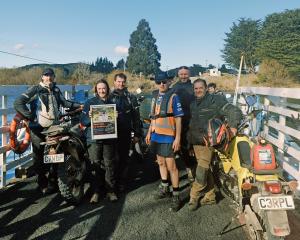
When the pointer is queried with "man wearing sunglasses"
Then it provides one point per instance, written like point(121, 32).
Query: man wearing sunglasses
point(164, 135)
point(45, 100)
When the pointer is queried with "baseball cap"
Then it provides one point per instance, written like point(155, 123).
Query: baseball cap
point(48, 71)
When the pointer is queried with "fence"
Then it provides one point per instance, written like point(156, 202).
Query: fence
point(7, 94)
point(282, 126)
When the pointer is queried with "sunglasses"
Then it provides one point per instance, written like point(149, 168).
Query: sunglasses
point(161, 82)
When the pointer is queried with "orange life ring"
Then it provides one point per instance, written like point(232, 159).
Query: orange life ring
point(18, 147)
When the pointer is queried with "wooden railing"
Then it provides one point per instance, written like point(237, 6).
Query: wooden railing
point(5, 149)
point(282, 126)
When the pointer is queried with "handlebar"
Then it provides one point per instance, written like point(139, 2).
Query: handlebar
point(71, 113)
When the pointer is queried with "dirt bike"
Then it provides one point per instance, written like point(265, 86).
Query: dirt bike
point(249, 175)
point(65, 149)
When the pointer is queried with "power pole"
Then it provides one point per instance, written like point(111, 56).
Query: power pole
point(238, 81)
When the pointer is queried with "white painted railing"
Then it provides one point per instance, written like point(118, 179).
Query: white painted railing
point(5, 150)
point(282, 126)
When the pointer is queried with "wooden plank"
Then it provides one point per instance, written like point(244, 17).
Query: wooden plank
point(285, 129)
point(292, 171)
point(283, 111)
point(289, 150)
point(278, 92)
point(19, 161)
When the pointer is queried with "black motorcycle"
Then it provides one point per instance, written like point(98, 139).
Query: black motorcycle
point(65, 149)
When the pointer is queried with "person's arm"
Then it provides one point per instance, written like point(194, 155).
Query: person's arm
point(231, 112)
point(85, 118)
point(25, 98)
point(148, 136)
point(176, 143)
point(66, 103)
point(178, 113)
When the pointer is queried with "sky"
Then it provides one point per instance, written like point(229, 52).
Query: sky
point(60, 31)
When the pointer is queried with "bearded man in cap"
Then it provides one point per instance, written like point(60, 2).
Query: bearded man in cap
point(45, 100)
point(164, 134)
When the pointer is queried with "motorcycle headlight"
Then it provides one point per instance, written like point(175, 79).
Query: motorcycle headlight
point(246, 131)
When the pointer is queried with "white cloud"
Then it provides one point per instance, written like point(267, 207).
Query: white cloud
point(19, 46)
point(121, 50)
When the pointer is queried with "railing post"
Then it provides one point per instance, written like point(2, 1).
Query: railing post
point(266, 127)
point(4, 141)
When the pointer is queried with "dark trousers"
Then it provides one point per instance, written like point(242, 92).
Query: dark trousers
point(40, 168)
point(102, 158)
point(123, 146)
point(189, 161)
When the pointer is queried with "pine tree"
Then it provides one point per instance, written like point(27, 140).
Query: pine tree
point(143, 55)
point(242, 40)
point(120, 65)
point(280, 39)
point(102, 65)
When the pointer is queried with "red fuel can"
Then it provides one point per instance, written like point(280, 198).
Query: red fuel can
point(263, 157)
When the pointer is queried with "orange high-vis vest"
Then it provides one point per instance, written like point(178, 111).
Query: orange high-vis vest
point(162, 116)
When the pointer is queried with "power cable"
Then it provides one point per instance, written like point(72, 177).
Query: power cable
point(18, 55)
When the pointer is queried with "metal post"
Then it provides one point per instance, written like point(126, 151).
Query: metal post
point(238, 81)
point(4, 141)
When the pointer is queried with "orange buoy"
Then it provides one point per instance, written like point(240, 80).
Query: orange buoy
point(18, 147)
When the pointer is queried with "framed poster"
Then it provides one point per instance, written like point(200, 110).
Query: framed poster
point(103, 121)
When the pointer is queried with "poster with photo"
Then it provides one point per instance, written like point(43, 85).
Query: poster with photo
point(103, 121)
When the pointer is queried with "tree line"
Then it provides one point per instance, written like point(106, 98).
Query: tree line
point(272, 44)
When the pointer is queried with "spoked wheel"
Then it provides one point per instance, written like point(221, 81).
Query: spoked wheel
point(70, 179)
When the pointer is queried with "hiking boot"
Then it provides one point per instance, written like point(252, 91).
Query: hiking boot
point(95, 198)
point(112, 196)
point(193, 204)
point(175, 204)
point(163, 192)
point(206, 201)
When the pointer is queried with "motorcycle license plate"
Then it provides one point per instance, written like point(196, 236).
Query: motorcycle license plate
point(276, 203)
point(54, 158)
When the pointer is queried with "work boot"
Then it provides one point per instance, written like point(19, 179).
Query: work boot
point(112, 196)
point(175, 204)
point(193, 204)
point(209, 198)
point(206, 201)
point(95, 198)
point(163, 192)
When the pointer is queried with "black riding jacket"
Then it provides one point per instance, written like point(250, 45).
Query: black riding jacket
point(39, 95)
point(208, 107)
point(128, 112)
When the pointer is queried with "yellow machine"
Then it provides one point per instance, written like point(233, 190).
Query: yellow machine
point(247, 173)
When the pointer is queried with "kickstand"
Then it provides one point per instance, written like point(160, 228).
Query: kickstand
point(224, 230)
